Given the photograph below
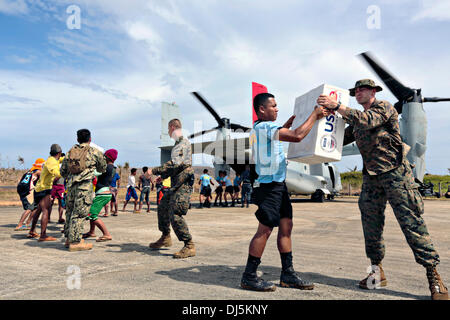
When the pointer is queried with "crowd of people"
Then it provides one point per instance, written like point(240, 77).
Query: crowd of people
point(387, 177)
point(49, 182)
point(224, 187)
point(84, 183)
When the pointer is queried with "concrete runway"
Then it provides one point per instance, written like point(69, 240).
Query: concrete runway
point(328, 250)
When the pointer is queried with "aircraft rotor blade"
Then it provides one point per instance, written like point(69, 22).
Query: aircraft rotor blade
point(435, 99)
point(401, 92)
point(209, 108)
point(197, 134)
point(235, 126)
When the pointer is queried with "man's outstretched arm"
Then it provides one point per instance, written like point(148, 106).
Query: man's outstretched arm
point(297, 135)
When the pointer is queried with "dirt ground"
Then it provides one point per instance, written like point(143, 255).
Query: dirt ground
point(328, 250)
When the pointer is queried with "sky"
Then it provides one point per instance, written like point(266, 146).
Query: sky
point(110, 70)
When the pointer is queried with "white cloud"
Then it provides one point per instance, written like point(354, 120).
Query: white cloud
point(134, 54)
point(143, 32)
point(21, 60)
point(436, 10)
point(13, 7)
point(169, 11)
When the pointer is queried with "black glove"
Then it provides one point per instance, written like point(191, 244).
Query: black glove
point(169, 192)
point(191, 180)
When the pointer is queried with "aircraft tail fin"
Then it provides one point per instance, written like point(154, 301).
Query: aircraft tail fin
point(257, 89)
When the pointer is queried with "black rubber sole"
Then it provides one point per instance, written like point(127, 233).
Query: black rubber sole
point(272, 288)
point(288, 285)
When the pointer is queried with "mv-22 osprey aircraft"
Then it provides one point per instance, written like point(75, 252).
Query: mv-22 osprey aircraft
point(318, 180)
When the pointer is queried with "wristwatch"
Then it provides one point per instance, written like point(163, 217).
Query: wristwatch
point(337, 107)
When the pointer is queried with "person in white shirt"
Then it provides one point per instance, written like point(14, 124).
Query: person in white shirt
point(131, 190)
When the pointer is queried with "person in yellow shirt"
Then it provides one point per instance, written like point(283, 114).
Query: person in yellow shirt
point(42, 193)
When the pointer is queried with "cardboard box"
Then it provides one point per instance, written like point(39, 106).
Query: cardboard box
point(325, 140)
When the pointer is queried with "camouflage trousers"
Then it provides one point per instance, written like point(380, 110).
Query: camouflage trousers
point(78, 203)
point(398, 187)
point(171, 210)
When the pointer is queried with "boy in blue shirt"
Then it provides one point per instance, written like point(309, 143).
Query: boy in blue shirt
point(236, 188)
point(205, 189)
point(219, 189)
point(228, 188)
point(272, 198)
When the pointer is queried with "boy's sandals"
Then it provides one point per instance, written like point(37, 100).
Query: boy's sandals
point(104, 215)
point(33, 235)
point(23, 227)
point(48, 238)
point(115, 214)
point(103, 239)
point(88, 235)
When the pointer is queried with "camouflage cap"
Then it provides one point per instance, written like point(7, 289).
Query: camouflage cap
point(364, 83)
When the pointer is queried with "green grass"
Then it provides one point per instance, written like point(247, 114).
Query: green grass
point(355, 180)
point(435, 179)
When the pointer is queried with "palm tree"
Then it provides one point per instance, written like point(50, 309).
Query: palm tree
point(21, 161)
point(126, 166)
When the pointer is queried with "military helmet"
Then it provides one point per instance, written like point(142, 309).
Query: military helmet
point(369, 83)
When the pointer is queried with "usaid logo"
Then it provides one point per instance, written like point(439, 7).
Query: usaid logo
point(328, 143)
point(330, 124)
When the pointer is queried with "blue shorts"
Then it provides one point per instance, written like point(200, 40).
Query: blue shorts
point(145, 193)
point(131, 193)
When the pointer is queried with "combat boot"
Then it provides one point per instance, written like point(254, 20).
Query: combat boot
point(80, 246)
point(164, 241)
point(251, 281)
point(371, 281)
point(437, 287)
point(290, 279)
point(187, 251)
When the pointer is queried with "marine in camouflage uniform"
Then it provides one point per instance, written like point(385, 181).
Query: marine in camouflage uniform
point(387, 176)
point(80, 192)
point(175, 202)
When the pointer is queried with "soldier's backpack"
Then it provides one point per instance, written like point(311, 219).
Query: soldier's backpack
point(23, 188)
point(77, 159)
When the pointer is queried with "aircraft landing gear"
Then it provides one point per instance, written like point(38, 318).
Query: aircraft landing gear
point(318, 196)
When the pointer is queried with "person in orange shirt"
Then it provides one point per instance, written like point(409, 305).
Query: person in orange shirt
point(26, 185)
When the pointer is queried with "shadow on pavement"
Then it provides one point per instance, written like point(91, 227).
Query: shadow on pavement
point(352, 284)
point(8, 226)
point(230, 276)
point(47, 244)
point(137, 247)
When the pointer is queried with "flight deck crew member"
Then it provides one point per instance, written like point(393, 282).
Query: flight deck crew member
point(387, 176)
point(175, 202)
point(272, 198)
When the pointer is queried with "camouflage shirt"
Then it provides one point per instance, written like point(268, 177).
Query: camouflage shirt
point(377, 135)
point(95, 160)
point(179, 168)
